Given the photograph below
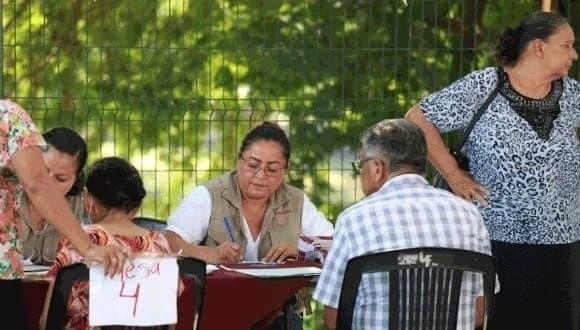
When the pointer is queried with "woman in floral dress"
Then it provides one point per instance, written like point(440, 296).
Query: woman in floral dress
point(22, 166)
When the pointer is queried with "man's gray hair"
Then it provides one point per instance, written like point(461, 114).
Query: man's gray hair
point(398, 142)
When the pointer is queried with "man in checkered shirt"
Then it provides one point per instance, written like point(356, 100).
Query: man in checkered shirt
point(400, 210)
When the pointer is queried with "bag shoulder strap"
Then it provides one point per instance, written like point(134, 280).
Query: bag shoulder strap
point(479, 113)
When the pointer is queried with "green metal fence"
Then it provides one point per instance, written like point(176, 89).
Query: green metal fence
point(173, 85)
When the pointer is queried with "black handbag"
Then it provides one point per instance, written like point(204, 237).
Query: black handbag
point(462, 160)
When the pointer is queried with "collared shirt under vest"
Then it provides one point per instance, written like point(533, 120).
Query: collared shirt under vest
point(282, 220)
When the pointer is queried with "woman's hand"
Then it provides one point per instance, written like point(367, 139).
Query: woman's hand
point(112, 257)
point(280, 252)
point(228, 252)
point(464, 185)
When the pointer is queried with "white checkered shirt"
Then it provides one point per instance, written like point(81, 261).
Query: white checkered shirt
point(406, 212)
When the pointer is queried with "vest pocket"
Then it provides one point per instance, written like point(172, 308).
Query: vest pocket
point(217, 233)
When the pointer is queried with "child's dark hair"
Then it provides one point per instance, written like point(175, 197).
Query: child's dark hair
point(267, 131)
point(513, 41)
point(116, 183)
point(70, 142)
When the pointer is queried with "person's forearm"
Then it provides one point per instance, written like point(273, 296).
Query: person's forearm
point(438, 152)
point(179, 245)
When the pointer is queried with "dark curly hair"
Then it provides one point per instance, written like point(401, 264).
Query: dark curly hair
point(267, 131)
point(70, 142)
point(513, 41)
point(116, 184)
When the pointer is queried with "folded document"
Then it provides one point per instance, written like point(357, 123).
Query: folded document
point(276, 271)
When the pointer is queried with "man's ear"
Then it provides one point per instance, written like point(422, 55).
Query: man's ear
point(382, 172)
point(376, 166)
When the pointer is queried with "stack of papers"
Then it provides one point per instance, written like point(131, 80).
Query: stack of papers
point(264, 271)
point(36, 268)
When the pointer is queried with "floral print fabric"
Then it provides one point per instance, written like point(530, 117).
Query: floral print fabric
point(17, 132)
point(78, 304)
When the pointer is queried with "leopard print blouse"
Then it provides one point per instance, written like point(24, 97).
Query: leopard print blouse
point(529, 162)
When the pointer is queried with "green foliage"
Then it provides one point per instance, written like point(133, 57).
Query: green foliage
point(174, 85)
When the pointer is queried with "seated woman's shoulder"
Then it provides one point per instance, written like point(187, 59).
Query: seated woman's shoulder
point(97, 234)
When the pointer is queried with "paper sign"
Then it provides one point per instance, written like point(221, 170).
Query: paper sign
point(145, 294)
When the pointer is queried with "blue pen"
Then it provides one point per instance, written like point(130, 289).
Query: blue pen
point(229, 229)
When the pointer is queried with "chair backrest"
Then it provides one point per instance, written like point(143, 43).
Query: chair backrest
point(150, 223)
point(66, 277)
point(195, 269)
point(424, 285)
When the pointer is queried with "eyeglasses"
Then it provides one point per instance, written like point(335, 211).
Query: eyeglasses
point(358, 164)
point(270, 170)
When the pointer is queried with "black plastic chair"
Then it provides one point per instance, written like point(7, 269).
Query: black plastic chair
point(195, 269)
point(67, 276)
point(150, 223)
point(434, 274)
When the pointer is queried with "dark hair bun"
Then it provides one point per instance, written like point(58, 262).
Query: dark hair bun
point(513, 41)
point(267, 131)
point(116, 183)
point(508, 48)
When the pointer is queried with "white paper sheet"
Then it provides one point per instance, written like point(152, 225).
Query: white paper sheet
point(145, 294)
point(35, 268)
point(269, 272)
point(209, 268)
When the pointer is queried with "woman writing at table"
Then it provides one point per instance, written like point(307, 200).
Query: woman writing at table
point(65, 159)
point(114, 194)
point(266, 216)
point(250, 213)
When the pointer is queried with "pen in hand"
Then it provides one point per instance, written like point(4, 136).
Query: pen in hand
point(231, 238)
point(229, 229)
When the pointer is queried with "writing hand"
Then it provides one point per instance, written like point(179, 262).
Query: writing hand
point(228, 252)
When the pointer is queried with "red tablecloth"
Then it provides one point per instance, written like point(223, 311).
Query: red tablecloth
point(34, 298)
point(237, 301)
point(231, 300)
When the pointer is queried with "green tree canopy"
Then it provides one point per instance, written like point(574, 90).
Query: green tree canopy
point(173, 85)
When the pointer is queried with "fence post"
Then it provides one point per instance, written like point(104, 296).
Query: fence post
point(547, 5)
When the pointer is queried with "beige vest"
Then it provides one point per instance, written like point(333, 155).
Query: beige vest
point(40, 246)
point(282, 220)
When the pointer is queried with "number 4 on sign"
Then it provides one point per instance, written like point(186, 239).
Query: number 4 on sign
point(135, 295)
